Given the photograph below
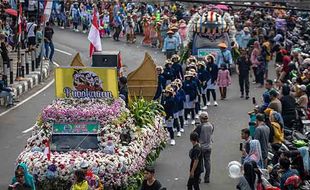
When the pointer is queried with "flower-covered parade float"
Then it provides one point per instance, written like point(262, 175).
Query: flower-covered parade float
point(116, 142)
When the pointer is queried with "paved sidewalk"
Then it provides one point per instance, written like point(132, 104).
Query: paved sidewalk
point(29, 81)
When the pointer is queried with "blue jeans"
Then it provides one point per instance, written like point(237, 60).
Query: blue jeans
point(7, 95)
point(47, 46)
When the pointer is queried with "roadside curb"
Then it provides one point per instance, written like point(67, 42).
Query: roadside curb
point(30, 81)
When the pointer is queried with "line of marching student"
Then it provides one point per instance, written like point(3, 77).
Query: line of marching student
point(187, 94)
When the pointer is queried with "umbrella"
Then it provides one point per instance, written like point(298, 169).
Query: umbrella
point(222, 7)
point(12, 12)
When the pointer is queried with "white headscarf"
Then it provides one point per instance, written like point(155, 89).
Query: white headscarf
point(255, 153)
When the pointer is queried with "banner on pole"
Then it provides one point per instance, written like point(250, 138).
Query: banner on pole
point(86, 82)
point(48, 10)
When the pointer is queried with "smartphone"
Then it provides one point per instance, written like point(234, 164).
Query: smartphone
point(241, 147)
point(254, 101)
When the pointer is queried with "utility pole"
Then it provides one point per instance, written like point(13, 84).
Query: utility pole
point(19, 14)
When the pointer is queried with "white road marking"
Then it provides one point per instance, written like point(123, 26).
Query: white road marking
point(64, 52)
point(28, 130)
point(30, 97)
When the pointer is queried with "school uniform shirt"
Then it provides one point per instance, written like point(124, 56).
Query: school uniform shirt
point(161, 84)
point(190, 88)
point(196, 81)
point(180, 97)
point(203, 77)
point(169, 74)
point(175, 108)
point(169, 105)
point(213, 72)
point(178, 70)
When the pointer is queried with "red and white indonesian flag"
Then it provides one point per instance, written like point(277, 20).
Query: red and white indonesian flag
point(94, 36)
point(47, 10)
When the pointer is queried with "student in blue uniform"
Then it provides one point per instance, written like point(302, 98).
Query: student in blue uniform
point(190, 89)
point(191, 65)
point(176, 124)
point(169, 73)
point(168, 103)
point(178, 70)
point(212, 69)
point(180, 103)
point(203, 77)
point(197, 100)
point(161, 82)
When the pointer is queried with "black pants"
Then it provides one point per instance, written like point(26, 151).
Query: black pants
point(260, 76)
point(191, 111)
point(171, 133)
point(181, 119)
point(193, 182)
point(170, 53)
point(213, 94)
point(244, 83)
point(176, 124)
point(117, 33)
point(197, 105)
point(204, 99)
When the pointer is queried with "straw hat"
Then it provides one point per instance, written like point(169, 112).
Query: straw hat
point(211, 56)
point(192, 59)
point(174, 28)
point(168, 61)
point(202, 63)
point(179, 82)
point(165, 17)
point(159, 68)
point(192, 64)
point(182, 21)
point(183, 25)
point(170, 32)
point(193, 71)
point(222, 45)
point(169, 89)
point(176, 57)
point(173, 83)
point(188, 74)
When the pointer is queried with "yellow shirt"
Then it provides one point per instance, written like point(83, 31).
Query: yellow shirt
point(267, 45)
point(80, 186)
point(278, 133)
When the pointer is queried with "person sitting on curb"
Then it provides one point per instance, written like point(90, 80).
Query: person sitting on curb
point(6, 92)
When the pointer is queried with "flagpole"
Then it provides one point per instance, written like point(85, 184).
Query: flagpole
point(18, 73)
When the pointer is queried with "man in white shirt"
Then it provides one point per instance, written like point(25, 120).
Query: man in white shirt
point(31, 34)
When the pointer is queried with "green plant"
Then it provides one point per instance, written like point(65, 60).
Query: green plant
point(144, 112)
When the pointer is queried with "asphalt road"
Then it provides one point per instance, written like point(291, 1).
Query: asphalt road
point(172, 168)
